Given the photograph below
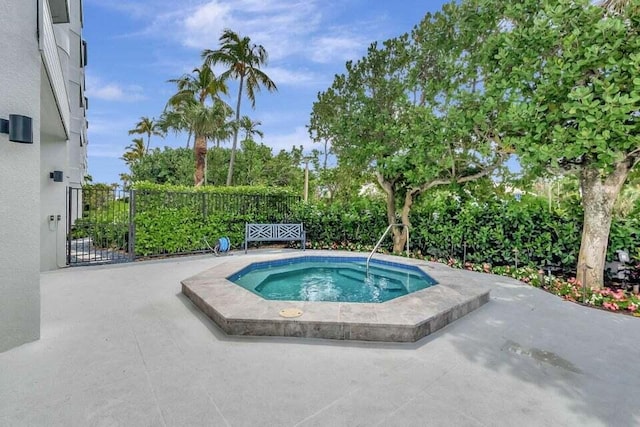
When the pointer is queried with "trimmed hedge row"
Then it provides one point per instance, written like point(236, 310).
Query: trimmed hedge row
point(177, 219)
point(495, 230)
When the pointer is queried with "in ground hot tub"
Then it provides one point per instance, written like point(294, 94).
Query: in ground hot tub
point(405, 299)
point(331, 279)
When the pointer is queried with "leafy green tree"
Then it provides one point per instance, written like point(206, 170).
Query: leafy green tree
point(244, 60)
point(256, 165)
point(167, 166)
point(569, 69)
point(319, 128)
point(147, 126)
point(413, 112)
point(283, 169)
point(251, 151)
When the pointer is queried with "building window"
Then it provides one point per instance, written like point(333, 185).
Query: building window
point(83, 54)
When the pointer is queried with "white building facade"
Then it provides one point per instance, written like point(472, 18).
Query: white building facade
point(43, 149)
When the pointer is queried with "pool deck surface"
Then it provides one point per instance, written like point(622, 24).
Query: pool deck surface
point(121, 345)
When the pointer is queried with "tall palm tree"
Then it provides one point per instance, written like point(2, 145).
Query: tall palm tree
point(203, 84)
point(243, 59)
point(204, 121)
point(135, 153)
point(188, 108)
point(147, 126)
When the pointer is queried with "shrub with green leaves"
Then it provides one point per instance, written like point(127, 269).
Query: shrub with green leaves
point(177, 219)
point(490, 229)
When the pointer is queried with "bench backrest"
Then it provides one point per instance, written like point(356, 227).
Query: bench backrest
point(266, 232)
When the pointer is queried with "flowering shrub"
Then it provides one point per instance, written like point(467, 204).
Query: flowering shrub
point(570, 289)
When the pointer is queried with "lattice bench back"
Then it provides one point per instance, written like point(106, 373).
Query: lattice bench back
point(274, 232)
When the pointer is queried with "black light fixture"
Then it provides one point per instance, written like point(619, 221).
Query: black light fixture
point(56, 176)
point(19, 128)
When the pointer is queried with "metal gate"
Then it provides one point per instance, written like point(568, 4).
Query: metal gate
point(100, 228)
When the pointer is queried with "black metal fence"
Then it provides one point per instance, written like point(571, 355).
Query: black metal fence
point(108, 225)
point(99, 226)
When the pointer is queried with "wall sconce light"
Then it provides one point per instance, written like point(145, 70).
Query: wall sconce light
point(19, 128)
point(56, 176)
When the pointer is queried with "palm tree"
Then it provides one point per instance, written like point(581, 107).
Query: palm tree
point(174, 120)
point(200, 85)
point(250, 128)
point(135, 153)
point(224, 132)
point(147, 126)
point(188, 108)
point(126, 180)
point(618, 7)
point(244, 60)
point(204, 121)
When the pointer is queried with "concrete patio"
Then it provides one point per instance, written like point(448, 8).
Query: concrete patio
point(122, 346)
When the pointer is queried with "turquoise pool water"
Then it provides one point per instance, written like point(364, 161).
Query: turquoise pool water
point(331, 279)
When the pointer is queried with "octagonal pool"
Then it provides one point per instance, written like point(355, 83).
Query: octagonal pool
point(331, 279)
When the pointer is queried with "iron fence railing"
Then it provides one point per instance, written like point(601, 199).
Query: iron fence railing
point(108, 225)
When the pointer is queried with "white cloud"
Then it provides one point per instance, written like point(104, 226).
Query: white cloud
point(290, 77)
point(285, 28)
point(291, 28)
point(281, 27)
point(298, 137)
point(205, 21)
point(338, 47)
point(112, 91)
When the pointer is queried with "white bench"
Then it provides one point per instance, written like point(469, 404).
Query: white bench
point(273, 233)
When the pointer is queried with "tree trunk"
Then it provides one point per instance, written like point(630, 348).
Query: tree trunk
point(598, 198)
point(400, 243)
point(235, 135)
point(399, 233)
point(200, 150)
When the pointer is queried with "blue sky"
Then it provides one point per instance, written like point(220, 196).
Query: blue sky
point(136, 46)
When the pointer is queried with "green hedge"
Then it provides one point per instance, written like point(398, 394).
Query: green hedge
point(445, 225)
point(177, 219)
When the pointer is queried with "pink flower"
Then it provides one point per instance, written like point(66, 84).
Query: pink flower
point(610, 306)
point(632, 307)
point(618, 295)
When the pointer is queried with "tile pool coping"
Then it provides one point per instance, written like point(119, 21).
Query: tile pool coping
point(238, 311)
